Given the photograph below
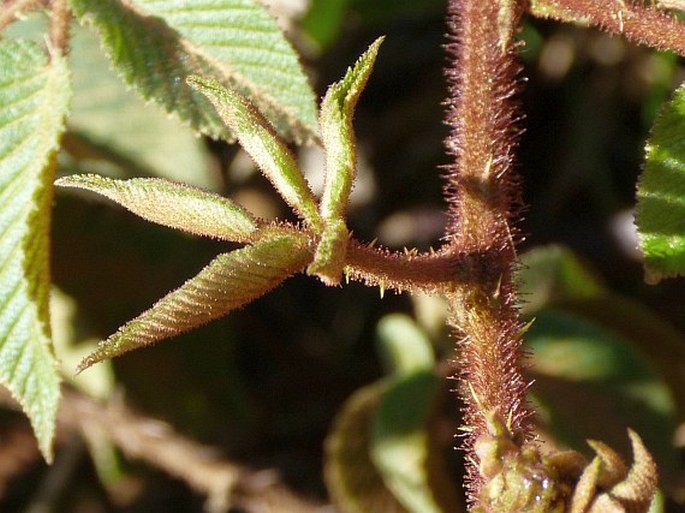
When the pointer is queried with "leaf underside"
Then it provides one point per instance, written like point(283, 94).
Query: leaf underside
point(156, 44)
point(660, 215)
point(228, 282)
point(172, 204)
point(34, 94)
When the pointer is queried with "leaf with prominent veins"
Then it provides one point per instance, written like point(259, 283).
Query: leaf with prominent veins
point(34, 95)
point(660, 215)
point(337, 111)
point(155, 44)
point(228, 282)
point(172, 204)
point(257, 138)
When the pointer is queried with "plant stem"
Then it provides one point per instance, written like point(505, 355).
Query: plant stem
point(484, 198)
point(640, 23)
point(59, 26)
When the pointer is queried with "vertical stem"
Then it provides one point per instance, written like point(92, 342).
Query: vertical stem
point(59, 26)
point(483, 199)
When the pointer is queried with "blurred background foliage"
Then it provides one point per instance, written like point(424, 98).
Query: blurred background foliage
point(267, 385)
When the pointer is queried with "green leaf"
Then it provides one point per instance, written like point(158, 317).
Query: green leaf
point(230, 281)
point(351, 477)
point(107, 117)
point(172, 204)
point(337, 111)
point(401, 445)
point(552, 273)
point(268, 152)
point(34, 95)
point(590, 383)
point(660, 215)
point(156, 44)
point(404, 346)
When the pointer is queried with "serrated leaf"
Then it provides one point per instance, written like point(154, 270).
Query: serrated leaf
point(156, 44)
point(337, 111)
point(602, 382)
point(34, 95)
point(269, 153)
point(228, 282)
point(172, 204)
point(660, 215)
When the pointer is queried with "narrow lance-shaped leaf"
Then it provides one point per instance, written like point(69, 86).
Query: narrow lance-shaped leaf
point(258, 139)
point(661, 194)
point(155, 44)
point(337, 111)
point(228, 282)
point(172, 204)
point(34, 94)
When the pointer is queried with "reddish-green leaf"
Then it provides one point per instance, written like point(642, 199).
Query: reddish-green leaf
point(230, 281)
point(172, 204)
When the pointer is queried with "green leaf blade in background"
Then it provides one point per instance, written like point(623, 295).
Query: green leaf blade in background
point(228, 282)
point(34, 95)
point(660, 215)
point(234, 41)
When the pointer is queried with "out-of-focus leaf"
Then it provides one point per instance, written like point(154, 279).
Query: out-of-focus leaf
point(171, 204)
point(660, 215)
point(553, 273)
point(156, 44)
point(404, 346)
point(228, 282)
point(34, 94)
point(107, 115)
point(99, 383)
point(352, 479)
point(591, 384)
point(552, 276)
point(269, 153)
point(323, 21)
point(337, 110)
point(401, 445)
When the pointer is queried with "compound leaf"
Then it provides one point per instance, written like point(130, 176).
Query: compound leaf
point(156, 44)
point(172, 204)
point(34, 94)
point(228, 282)
point(661, 194)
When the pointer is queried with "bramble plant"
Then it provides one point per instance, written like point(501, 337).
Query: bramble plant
point(223, 68)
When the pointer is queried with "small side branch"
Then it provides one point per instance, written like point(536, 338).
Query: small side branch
point(639, 23)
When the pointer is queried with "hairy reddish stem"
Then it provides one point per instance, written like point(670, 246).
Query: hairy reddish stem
point(59, 26)
point(483, 196)
point(640, 23)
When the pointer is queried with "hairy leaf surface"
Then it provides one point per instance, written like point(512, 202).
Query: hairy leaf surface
point(228, 282)
point(661, 194)
point(339, 142)
point(34, 94)
point(156, 44)
point(172, 204)
point(269, 153)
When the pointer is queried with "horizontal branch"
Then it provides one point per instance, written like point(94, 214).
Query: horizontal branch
point(639, 23)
